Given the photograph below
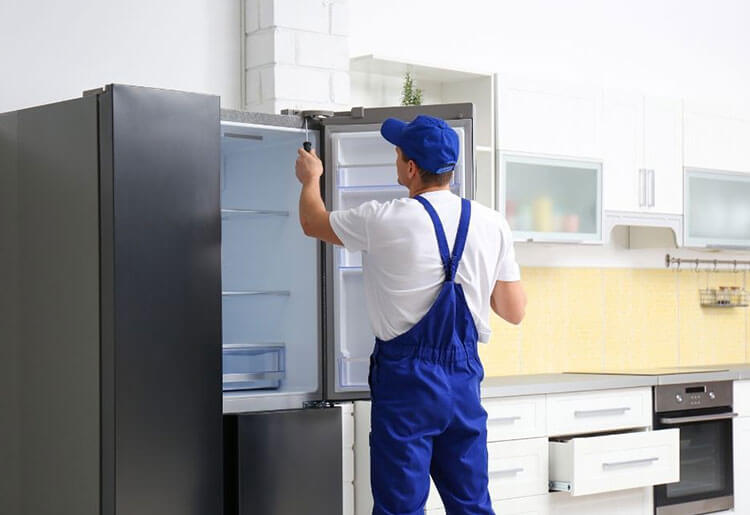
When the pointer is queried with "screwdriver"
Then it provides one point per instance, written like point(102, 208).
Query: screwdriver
point(307, 145)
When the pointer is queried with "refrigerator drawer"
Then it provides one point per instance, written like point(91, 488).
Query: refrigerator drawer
point(253, 366)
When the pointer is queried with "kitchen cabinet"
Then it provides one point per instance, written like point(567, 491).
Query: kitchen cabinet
point(590, 412)
point(532, 505)
point(716, 140)
point(552, 199)
point(642, 153)
point(548, 118)
point(741, 446)
point(717, 209)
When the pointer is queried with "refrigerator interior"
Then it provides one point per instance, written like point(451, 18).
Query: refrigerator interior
point(364, 169)
point(270, 269)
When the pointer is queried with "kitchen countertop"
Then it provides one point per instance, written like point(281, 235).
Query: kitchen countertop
point(540, 384)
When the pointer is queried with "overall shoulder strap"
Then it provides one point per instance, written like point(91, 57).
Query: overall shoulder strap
point(460, 243)
point(445, 254)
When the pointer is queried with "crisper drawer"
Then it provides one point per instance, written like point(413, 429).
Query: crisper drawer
point(252, 366)
point(533, 505)
point(592, 412)
point(596, 464)
point(515, 417)
point(741, 401)
point(517, 468)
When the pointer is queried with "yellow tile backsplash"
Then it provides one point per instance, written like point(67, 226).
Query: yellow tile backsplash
point(592, 318)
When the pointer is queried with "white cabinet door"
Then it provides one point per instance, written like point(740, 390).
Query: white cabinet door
point(662, 152)
point(741, 398)
point(639, 501)
point(548, 118)
point(642, 144)
point(741, 465)
point(622, 145)
point(533, 505)
point(716, 141)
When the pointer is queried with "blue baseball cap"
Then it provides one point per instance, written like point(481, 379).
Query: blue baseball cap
point(427, 140)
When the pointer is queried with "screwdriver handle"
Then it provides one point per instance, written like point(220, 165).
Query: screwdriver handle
point(307, 146)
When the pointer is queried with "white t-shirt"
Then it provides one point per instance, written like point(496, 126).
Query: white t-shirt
point(401, 262)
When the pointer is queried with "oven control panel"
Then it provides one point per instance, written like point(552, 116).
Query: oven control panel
point(675, 397)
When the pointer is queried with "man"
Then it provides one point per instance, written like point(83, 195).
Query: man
point(428, 306)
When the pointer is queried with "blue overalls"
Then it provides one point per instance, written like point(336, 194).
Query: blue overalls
point(426, 415)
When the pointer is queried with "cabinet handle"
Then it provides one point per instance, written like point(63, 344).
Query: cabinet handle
point(505, 420)
point(507, 472)
point(642, 196)
point(644, 461)
point(595, 412)
point(652, 188)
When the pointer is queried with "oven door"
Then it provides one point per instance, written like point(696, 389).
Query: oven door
point(706, 480)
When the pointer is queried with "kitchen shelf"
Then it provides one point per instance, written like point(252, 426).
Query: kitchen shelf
point(253, 366)
point(723, 298)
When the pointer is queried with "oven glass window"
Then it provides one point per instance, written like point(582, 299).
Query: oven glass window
point(705, 461)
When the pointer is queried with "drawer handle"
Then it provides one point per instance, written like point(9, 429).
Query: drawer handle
point(508, 472)
point(505, 420)
point(595, 412)
point(644, 461)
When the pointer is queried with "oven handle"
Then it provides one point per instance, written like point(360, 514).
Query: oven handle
point(697, 418)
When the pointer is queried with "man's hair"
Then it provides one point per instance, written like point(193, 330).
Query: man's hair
point(430, 178)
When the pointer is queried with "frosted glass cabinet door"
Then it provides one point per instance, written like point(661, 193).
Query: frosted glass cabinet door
point(717, 209)
point(552, 199)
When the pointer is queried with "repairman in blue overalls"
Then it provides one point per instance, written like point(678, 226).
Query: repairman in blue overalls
point(428, 305)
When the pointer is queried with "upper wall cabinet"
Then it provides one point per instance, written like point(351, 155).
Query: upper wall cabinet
point(548, 118)
point(717, 209)
point(642, 151)
point(552, 199)
point(716, 141)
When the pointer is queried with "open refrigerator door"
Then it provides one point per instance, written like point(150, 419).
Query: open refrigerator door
point(361, 166)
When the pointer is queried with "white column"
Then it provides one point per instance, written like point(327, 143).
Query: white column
point(296, 55)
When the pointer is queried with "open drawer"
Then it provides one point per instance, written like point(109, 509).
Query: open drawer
point(591, 465)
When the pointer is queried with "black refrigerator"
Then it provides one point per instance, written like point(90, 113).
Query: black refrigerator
point(296, 337)
point(110, 305)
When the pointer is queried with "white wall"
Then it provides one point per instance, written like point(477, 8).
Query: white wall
point(692, 48)
point(53, 50)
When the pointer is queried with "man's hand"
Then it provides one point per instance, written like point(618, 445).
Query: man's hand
point(313, 216)
point(308, 166)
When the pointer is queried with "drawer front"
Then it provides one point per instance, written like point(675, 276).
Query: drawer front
point(639, 501)
point(609, 463)
point(534, 505)
point(517, 468)
point(591, 412)
point(516, 417)
point(741, 401)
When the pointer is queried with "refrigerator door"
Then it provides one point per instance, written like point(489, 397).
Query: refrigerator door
point(361, 166)
point(270, 269)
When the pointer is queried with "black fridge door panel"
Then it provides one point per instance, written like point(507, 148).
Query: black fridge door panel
point(283, 463)
point(49, 310)
point(270, 269)
point(360, 166)
point(161, 291)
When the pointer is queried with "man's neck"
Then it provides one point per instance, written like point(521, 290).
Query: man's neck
point(419, 190)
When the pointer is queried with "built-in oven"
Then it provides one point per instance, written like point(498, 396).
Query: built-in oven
point(703, 414)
